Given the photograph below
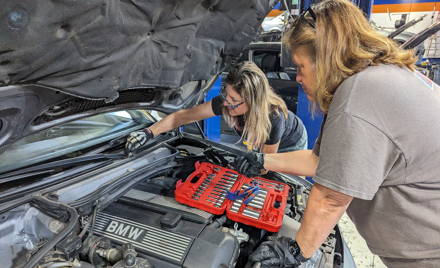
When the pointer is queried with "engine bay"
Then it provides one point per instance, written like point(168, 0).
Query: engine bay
point(145, 226)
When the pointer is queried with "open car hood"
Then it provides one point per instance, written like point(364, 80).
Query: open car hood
point(54, 54)
point(96, 48)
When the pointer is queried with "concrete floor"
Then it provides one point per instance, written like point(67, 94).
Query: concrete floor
point(361, 254)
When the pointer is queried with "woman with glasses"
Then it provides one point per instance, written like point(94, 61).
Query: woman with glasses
point(378, 155)
point(249, 105)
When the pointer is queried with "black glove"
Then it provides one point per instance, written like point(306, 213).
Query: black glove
point(279, 252)
point(250, 164)
point(137, 139)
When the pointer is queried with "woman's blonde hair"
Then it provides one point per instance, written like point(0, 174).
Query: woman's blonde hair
point(341, 43)
point(251, 83)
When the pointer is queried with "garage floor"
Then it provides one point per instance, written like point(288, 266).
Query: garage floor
point(361, 254)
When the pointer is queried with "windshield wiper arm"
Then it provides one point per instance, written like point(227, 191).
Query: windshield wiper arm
point(51, 166)
point(108, 145)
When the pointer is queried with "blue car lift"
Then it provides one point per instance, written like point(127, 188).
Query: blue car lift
point(212, 126)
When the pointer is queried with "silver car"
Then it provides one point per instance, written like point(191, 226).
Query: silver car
point(76, 77)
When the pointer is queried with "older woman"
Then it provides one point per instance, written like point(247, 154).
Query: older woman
point(378, 154)
point(249, 105)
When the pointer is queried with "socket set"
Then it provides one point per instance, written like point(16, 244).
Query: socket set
point(266, 209)
point(208, 186)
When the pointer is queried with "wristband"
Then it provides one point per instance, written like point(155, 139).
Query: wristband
point(149, 132)
point(296, 252)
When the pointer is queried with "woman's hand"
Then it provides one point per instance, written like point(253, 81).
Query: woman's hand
point(277, 252)
point(137, 139)
point(251, 164)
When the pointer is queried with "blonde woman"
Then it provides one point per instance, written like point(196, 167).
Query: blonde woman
point(378, 154)
point(249, 105)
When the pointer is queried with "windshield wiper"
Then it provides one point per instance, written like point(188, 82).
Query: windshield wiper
point(52, 166)
point(108, 145)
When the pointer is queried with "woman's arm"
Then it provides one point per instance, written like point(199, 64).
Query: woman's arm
point(182, 117)
point(270, 148)
point(300, 163)
point(324, 209)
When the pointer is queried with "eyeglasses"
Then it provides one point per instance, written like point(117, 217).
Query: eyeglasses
point(230, 105)
point(303, 17)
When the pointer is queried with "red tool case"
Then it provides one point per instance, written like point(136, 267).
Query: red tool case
point(207, 186)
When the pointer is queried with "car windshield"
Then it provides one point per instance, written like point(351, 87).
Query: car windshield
point(71, 137)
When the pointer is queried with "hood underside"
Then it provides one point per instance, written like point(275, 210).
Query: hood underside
point(59, 58)
point(96, 48)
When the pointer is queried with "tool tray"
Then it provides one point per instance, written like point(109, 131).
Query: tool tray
point(265, 210)
point(206, 188)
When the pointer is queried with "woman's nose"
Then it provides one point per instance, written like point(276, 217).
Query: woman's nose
point(299, 79)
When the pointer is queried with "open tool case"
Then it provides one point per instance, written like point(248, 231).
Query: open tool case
point(208, 186)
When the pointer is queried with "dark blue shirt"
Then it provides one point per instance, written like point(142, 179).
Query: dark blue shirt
point(287, 131)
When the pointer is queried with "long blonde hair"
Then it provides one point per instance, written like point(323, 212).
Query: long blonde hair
point(251, 83)
point(342, 44)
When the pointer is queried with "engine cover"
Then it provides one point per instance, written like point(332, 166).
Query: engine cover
point(166, 236)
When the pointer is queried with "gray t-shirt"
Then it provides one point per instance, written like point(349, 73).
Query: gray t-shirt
point(380, 144)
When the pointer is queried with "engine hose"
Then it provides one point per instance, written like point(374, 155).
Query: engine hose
point(58, 264)
point(95, 212)
point(177, 170)
point(218, 222)
point(72, 222)
point(84, 230)
point(86, 265)
point(68, 264)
